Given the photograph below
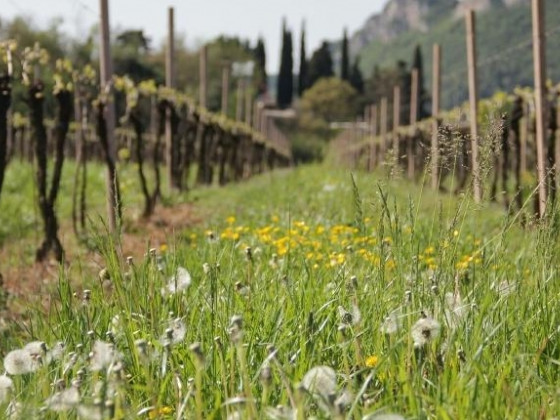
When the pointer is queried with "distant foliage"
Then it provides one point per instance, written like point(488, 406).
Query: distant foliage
point(285, 76)
point(330, 99)
point(303, 75)
point(321, 64)
point(345, 61)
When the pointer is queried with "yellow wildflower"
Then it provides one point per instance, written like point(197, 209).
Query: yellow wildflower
point(372, 361)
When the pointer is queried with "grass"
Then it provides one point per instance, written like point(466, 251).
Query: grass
point(424, 305)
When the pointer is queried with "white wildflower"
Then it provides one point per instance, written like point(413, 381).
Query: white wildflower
point(103, 355)
point(64, 400)
point(383, 416)
point(344, 400)
point(455, 310)
point(19, 362)
point(6, 386)
point(349, 319)
point(56, 352)
point(280, 412)
point(178, 282)
point(424, 331)
point(320, 380)
point(391, 324)
point(175, 332)
point(36, 349)
point(503, 288)
point(91, 412)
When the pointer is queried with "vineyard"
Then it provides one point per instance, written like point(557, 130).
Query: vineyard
point(163, 259)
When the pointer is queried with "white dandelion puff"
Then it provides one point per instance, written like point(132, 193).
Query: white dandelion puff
point(91, 412)
point(64, 400)
point(424, 331)
point(383, 416)
point(178, 282)
point(503, 288)
point(36, 349)
point(103, 355)
point(455, 310)
point(19, 362)
point(344, 400)
point(391, 324)
point(6, 386)
point(56, 352)
point(320, 380)
point(175, 332)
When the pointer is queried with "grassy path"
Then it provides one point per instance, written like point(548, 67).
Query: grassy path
point(307, 292)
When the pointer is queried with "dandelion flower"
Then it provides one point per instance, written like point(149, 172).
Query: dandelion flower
point(320, 380)
point(103, 355)
point(424, 331)
point(347, 319)
point(391, 324)
point(6, 386)
point(64, 400)
point(177, 283)
point(175, 332)
point(383, 416)
point(455, 310)
point(36, 349)
point(56, 352)
point(372, 361)
point(19, 362)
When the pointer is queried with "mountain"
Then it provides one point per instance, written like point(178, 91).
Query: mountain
point(504, 47)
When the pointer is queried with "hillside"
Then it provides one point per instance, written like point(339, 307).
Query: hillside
point(504, 46)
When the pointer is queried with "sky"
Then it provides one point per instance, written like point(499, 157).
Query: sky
point(201, 20)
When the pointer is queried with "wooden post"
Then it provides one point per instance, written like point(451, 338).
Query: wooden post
point(539, 60)
point(239, 100)
point(413, 118)
point(203, 77)
point(373, 134)
point(473, 100)
point(169, 83)
point(225, 89)
point(248, 103)
point(396, 119)
point(396, 108)
point(106, 75)
point(383, 117)
point(436, 95)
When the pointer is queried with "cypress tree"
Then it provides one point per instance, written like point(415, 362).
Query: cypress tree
point(418, 63)
point(260, 77)
point(345, 60)
point(356, 79)
point(321, 64)
point(303, 79)
point(284, 93)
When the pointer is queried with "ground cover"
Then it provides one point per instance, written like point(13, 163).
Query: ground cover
point(304, 292)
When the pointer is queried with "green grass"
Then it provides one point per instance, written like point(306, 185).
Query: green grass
point(281, 251)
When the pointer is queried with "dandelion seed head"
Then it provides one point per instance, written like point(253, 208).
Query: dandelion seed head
point(424, 331)
point(56, 352)
point(391, 323)
point(6, 386)
point(64, 400)
point(177, 283)
point(103, 355)
point(320, 380)
point(19, 362)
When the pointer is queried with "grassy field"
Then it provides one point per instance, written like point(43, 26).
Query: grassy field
point(301, 293)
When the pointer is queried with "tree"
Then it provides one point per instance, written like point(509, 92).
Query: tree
point(321, 64)
point(330, 99)
point(303, 78)
point(418, 63)
point(284, 94)
point(259, 72)
point(356, 79)
point(345, 60)
point(129, 55)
